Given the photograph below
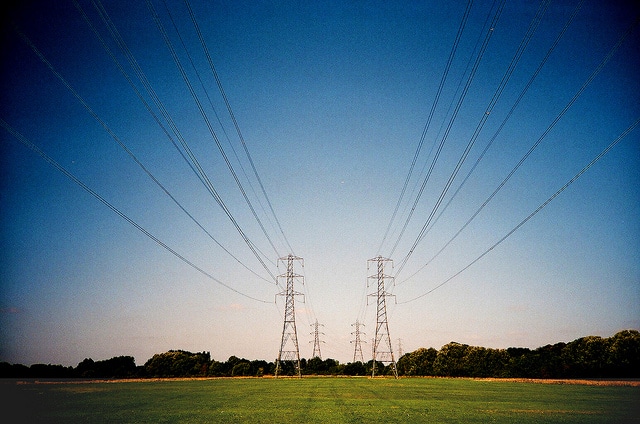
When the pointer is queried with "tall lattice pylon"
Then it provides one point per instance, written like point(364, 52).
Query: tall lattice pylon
point(316, 340)
point(382, 350)
point(357, 352)
point(289, 351)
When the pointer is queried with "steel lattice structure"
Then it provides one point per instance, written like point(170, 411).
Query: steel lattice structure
point(289, 350)
point(316, 340)
point(357, 353)
point(382, 350)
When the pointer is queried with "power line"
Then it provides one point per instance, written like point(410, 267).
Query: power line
point(117, 139)
point(499, 130)
point(538, 209)
point(452, 53)
point(201, 174)
point(193, 94)
point(436, 157)
point(131, 84)
point(156, 240)
point(206, 92)
point(575, 97)
point(307, 296)
point(235, 122)
point(444, 138)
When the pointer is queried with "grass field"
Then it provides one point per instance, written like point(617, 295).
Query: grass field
point(327, 400)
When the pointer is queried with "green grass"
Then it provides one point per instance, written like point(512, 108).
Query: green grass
point(327, 400)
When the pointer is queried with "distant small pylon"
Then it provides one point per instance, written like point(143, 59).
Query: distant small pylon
point(357, 352)
point(316, 340)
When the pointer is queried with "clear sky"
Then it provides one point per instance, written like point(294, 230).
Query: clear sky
point(332, 100)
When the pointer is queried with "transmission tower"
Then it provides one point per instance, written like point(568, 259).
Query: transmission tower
point(400, 353)
point(382, 350)
point(289, 351)
point(357, 353)
point(316, 340)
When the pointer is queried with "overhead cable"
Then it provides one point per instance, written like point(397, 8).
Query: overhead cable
point(157, 120)
point(156, 240)
point(532, 214)
point(498, 131)
point(561, 114)
point(213, 108)
point(432, 165)
point(235, 122)
point(443, 79)
point(194, 95)
point(444, 138)
point(202, 175)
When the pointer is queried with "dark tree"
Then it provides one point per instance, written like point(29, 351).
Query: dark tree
point(261, 367)
point(624, 354)
point(50, 371)
point(355, 368)
point(241, 369)
point(8, 370)
point(586, 357)
point(178, 363)
point(450, 361)
point(315, 366)
point(419, 362)
point(483, 362)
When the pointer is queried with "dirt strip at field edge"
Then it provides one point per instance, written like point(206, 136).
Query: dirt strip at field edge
point(592, 382)
point(588, 382)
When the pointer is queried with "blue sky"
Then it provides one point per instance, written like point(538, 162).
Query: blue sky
point(331, 100)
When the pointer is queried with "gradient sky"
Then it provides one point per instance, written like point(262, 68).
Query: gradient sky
point(332, 99)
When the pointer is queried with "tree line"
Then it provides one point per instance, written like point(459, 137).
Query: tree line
point(586, 357)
